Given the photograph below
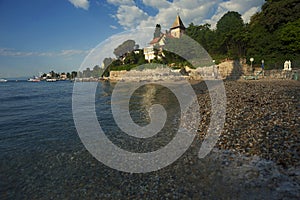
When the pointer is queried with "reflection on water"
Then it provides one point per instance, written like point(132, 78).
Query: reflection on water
point(140, 103)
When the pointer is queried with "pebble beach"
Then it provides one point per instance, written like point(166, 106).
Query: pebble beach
point(262, 119)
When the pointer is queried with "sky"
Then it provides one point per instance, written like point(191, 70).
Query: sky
point(37, 36)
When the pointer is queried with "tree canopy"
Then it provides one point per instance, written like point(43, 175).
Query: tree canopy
point(125, 47)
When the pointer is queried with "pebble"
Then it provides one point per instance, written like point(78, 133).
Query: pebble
point(262, 119)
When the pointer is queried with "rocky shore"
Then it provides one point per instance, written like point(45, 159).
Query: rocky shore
point(263, 118)
point(262, 128)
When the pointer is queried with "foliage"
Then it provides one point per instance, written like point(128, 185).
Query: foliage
point(230, 35)
point(272, 35)
point(125, 47)
point(290, 37)
point(277, 13)
point(126, 67)
point(107, 62)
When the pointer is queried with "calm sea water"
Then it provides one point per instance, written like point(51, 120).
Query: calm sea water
point(41, 153)
point(35, 116)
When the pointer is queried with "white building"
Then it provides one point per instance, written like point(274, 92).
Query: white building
point(157, 44)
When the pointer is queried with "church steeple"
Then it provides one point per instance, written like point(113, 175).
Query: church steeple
point(177, 28)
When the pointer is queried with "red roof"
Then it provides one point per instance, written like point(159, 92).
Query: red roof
point(155, 40)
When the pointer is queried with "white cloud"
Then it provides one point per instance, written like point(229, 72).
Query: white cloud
point(12, 52)
point(121, 2)
point(157, 3)
point(113, 27)
point(72, 52)
point(190, 11)
point(248, 14)
point(241, 6)
point(64, 53)
point(84, 4)
point(130, 15)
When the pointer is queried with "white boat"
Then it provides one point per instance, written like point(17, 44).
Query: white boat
point(51, 80)
point(34, 79)
point(2, 80)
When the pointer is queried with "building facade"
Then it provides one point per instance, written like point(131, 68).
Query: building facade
point(157, 44)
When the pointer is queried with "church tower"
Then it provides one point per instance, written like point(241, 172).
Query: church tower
point(177, 28)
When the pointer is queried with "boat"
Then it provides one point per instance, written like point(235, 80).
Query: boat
point(51, 80)
point(2, 80)
point(34, 79)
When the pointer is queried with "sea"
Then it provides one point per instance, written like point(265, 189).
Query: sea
point(43, 157)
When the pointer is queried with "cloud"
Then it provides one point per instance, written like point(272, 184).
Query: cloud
point(248, 14)
point(121, 2)
point(12, 52)
point(84, 4)
point(157, 3)
point(130, 16)
point(72, 52)
point(113, 27)
point(65, 53)
point(134, 15)
point(190, 11)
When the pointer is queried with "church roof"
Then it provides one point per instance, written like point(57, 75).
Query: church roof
point(178, 23)
point(155, 40)
point(158, 39)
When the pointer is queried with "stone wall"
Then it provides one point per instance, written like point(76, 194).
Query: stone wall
point(229, 70)
point(116, 75)
point(281, 74)
point(232, 70)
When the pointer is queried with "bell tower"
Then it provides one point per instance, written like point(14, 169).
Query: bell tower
point(177, 28)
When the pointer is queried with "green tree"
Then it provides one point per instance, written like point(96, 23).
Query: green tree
point(97, 71)
point(274, 32)
point(107, 62)
point(230, 37)
point(276, 13)
point(73, 74)
point(125, 47)
point(131, 58)
point(203, 35)
point(290, 37)
point(87, 73)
